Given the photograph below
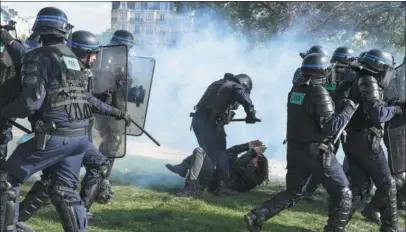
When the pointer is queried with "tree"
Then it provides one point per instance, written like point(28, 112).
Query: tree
point(379, 23)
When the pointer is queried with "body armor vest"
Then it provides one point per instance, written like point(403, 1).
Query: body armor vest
point(69, 92)
point(360, 119)
point(217, 98)
point(301, 123)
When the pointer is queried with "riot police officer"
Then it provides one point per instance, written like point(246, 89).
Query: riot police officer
point(341, 75)
point(213, 111)
point(313, 49)
point(395, 143)
point(311, 122)
point(85, 46)
point(11, 52)
point(58, 107)
point(366, 158)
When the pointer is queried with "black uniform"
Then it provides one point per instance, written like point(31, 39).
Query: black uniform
point(365, 154)
point(311, 120)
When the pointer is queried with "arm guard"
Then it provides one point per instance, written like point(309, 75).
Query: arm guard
point(369, 89)
point(30, 74)
point(322, 105)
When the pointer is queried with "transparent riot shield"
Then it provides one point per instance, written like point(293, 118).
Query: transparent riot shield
point(396, 87)
point(396, 127)
point(141, 73)
point(110, 84)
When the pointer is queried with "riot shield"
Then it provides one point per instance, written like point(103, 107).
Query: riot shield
point(110, 84)
point(396, 128)
point(396, 88)
point(141, 73)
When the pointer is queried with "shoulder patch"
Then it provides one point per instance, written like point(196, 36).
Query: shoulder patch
point(330, 86)
point(297, 98)
point(71, 63)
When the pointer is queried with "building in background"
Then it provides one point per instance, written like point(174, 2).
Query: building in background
point(23, 25)
point(153, 24)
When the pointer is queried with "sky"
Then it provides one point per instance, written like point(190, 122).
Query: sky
point(91, 16)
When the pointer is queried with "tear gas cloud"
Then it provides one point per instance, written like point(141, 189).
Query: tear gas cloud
point(182, 75)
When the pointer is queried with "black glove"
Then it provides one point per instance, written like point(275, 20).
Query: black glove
point(121, 114)
point(251, 118)
point(398, 110)
point(348, 104)
point(6, 37)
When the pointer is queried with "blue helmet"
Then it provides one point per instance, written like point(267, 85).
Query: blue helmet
point(123, 37)
point(51, 21)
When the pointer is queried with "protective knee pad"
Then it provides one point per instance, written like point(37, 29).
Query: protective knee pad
point(340, 211)
point(36, 198)
point(105, 193)
point(91, 183)
point(69, 208)
point(8, 199)
point(110, 144)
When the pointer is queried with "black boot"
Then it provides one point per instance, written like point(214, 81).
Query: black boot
point(23, 227)
point(179, 169)
point(191, 189)
point(371, 214)
point(258, 216)
point(223, 190)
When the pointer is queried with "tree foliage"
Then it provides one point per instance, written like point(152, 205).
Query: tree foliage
point(379, 23)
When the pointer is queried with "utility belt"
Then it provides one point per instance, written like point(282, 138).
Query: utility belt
point(374, 134)
point(324, 150)
point(221, 119)
point(44, 131)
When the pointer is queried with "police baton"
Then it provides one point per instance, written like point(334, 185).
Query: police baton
point(146, 133)
point(340, 132)
point(19, 126)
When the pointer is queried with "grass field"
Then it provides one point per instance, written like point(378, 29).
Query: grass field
point(157, 210)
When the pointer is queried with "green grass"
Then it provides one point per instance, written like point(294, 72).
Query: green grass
point(147, 210)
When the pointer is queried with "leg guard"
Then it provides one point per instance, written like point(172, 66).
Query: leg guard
point(339, 212)
point(93, 179)
point(258, 216)
point(36, 198)
point(388, 209)
point(8, 198)
point(69, 208)
point(400, 180)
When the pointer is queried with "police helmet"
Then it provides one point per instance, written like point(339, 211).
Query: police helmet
point(51, 21)
point(315, 66)
point(123, 37)
point(4, 18)
point(314, 49)
point(245, 81)
point(377, 61)
point(343, 55)
point(83, 44)
point(362, 54)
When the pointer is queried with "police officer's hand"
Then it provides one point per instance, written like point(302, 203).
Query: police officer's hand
point(126, 117)
point(6, 37)
point(398, 110)
point(254, 143)
point(251, 118)
point(348, 103)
